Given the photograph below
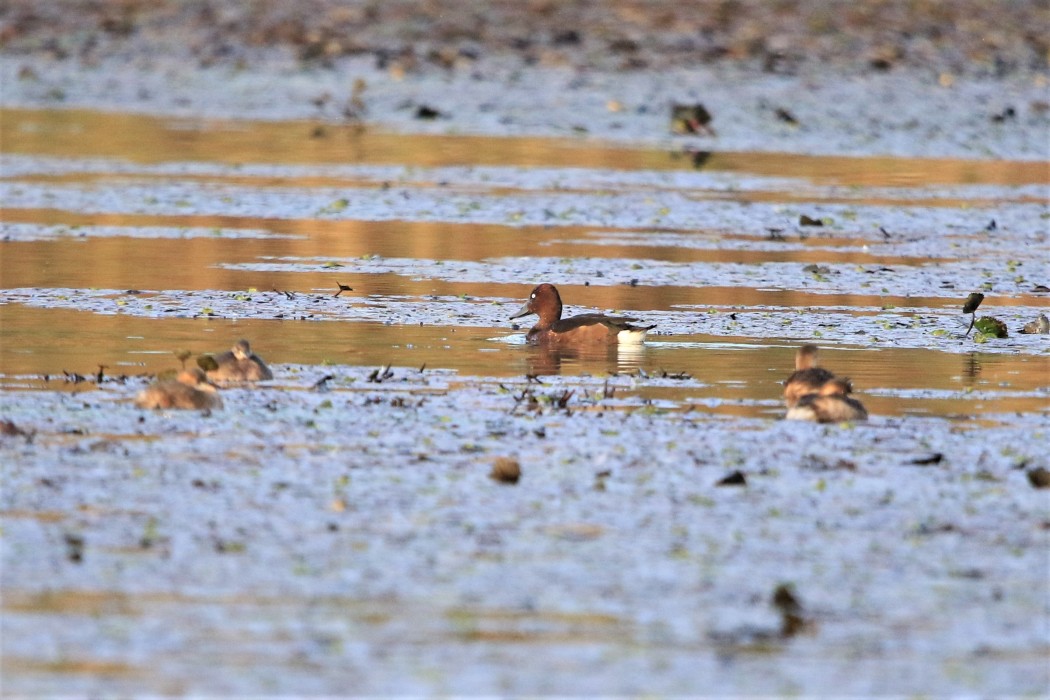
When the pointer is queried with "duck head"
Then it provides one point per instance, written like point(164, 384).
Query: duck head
point(545, 302)
point(242, 350)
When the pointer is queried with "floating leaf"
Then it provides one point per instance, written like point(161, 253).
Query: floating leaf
point(972, 302)
point(991, 327)
point(336, 206)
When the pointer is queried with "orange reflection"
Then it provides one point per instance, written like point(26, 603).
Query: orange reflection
point(147, 139)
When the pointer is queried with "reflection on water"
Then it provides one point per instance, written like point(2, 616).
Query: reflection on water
point(598, 360)
point(971, 368)
point(146, 139)
point(739, 375)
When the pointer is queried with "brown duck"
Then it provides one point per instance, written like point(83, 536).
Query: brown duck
point(829, 404)
point(240, 364)
point(551, 328)
point(190, 390)
point(807, 377)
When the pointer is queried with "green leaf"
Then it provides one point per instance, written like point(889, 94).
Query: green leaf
point(991, 327)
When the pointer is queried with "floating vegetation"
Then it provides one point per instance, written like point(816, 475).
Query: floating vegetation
point(991, 327)
point(691, 119)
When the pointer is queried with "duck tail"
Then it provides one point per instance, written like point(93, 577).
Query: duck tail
point(634, 335)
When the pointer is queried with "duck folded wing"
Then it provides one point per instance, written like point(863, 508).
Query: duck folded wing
point(619, 323)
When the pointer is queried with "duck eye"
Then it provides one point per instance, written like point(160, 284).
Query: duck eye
point(533, 296)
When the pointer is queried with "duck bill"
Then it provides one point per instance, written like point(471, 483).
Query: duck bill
point(523, 311)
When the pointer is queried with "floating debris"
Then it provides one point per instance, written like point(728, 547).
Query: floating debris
point(9, 429)
point(287, 295)
point(792, 618)
point(505, 470)
point(380, 375)
point(734, 478)
point(691, 119)
point(321, 385)
point(1039, 477)
point(74, 547)
point(73, 377)
point(429, 113)
point(1005, 115)
point(785, 116)
point(355, 108)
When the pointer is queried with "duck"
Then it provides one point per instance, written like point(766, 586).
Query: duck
point(807, 377)
point(829, 404)
point(189, 390)
point(552, 329)
point(239, 364)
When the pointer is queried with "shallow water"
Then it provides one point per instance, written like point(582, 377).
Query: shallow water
point(209, 213)
point(147, 139)
point(350, 538)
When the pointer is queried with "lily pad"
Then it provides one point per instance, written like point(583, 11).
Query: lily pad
point(991, 327)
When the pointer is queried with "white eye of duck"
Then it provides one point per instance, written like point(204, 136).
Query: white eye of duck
point(533, 296)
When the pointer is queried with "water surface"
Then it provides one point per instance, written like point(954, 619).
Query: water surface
point(69, 228)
